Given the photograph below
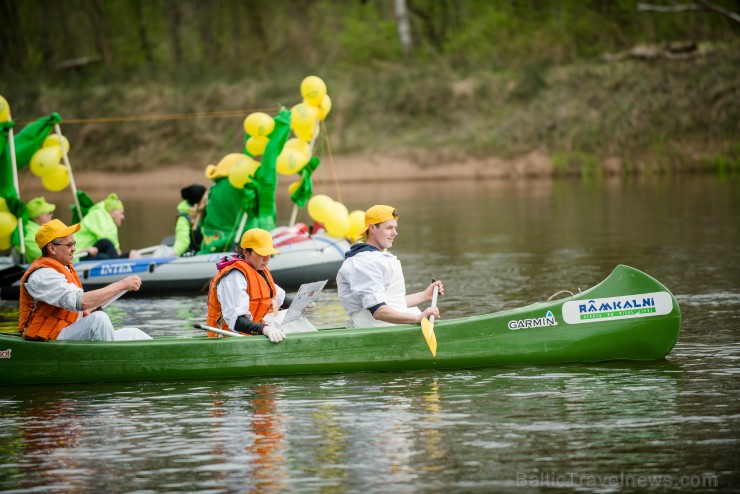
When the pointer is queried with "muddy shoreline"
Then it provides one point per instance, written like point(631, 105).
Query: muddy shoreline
point(340, 169)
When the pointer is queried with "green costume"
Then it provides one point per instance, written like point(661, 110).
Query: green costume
point(96, 225)
point(227, 204)
point(30, 228)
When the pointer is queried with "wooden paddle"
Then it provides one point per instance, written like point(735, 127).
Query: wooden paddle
point(222, 332)
point(427, 326)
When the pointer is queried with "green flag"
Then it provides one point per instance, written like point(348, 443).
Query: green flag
point(26, 142)
point(265, 178)
point(305, 190)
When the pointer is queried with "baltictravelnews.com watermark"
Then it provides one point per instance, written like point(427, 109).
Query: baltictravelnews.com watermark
point(549, 479)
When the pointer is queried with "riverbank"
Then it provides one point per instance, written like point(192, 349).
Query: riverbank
point(591, 118)
point(341, 169)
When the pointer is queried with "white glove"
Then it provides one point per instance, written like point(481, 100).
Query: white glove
point(275, 335)
point(309, 309)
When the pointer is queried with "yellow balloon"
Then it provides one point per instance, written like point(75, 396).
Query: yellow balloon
point(4, 110)
point(259, 124)
point(303, 115)
point(294, 186)
point(8, 223)
point(356, 223)
point(4, 205)
point(303, 133)
point(313, 90)
point(290, 161)
point(242, 172)
point(53, 140)
point(256, 145)
point(324, 107)
point(337, 224)
point(5, 243)
point(298, 144)
point(319, 207)
point(57, 179)
point(45, 160)
point(222, 169)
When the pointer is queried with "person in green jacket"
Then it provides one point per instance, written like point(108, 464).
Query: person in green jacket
point(100, 230)
point(188, 236)
point(39, 212)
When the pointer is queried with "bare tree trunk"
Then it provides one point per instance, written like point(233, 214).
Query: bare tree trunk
point(236, 36)
point(174, 19)
point(100, 30)
point(208, 20)
point(13, 42)
point(262, 51)
point(435, 37)
point(146, 46)
point(65, 50)
point(682, 7)
point(403, 26)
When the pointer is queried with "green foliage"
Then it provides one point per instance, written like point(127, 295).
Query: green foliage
point(576, 163)
point(484, 78)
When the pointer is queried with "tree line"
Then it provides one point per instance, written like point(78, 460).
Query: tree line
point(113, 38)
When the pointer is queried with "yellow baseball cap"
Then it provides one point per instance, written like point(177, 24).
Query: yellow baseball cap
point(38, 206)
point(378, 214)
point(54, 229)
point(258, 240)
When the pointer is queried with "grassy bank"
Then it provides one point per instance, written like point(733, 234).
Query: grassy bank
point(621, 116)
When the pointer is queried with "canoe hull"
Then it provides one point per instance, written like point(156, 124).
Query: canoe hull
point(536, 334)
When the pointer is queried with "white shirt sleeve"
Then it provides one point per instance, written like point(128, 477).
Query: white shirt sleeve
point(50, 286)
point(232, 295)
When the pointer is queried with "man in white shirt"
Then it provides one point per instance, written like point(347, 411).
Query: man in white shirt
point(370, 283)
point(53, 304)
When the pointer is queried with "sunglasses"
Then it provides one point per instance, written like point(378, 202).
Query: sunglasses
point(70, 245)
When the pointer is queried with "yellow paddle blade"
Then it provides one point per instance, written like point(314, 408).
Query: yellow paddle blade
point(427, 329)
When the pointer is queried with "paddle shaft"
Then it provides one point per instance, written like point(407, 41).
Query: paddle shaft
point(222, 332)
point(434, 302)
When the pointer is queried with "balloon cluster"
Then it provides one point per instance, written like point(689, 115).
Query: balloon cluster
point(304, 119)
point(46, 163)
point(337, 220)
point(8, 223)
point(296, 152)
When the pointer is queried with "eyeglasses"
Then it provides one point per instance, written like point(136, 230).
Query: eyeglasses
point(70, 245)
point(395, 214)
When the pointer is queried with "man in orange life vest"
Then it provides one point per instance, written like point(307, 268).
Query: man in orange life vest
point(243, 292)
point(52, 296)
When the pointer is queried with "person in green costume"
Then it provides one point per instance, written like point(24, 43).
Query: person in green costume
point(100, 230)
point(39, 212)
point(231, 211)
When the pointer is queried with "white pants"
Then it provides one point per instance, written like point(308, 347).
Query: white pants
point(97, 327)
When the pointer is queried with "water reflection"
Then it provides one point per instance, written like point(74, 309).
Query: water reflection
point(414, 430)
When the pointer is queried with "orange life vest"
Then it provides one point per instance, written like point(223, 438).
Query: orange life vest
point(260, 289)
point(39, 320)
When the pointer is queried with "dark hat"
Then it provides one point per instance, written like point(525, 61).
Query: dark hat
point(193, 193)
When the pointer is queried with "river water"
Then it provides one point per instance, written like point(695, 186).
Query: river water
point(667, 425)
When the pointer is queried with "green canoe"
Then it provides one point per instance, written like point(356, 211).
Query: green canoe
point(628, 316)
